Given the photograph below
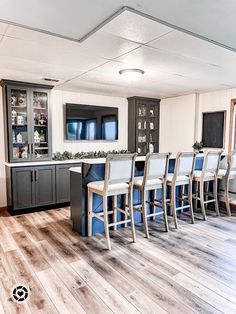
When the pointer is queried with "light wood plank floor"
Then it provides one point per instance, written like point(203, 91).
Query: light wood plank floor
point(192, 270)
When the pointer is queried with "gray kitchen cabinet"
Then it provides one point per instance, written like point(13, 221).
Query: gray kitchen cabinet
point(45, 193)
point(63, 182)
point(27, 121)
point(38, 187)
point(23, 188)
point(31, 187)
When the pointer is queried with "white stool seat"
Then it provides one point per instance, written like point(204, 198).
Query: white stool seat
point(180, 180)
point(222, 173)
point(150, 184)
point(207, 177)
point(99, 185)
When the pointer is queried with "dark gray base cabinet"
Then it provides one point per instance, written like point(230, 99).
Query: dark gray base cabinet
point(38, 186)
point(63, 183)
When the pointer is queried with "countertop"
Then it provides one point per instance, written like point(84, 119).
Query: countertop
point(73, 161)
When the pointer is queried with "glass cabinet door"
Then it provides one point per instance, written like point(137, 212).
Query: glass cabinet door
point(142, 128)
point(40, 134)
point(19, 124)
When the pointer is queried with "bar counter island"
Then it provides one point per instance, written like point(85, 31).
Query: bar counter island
point(94, 170)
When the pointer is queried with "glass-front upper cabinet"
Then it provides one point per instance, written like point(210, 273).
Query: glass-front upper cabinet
point(27, 121)
point(41, 145)
point(19, 140)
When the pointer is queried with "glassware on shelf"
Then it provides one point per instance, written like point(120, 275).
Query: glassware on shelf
point(20, 120)
point(42, 136)
point(13, 116)
point(36, 137)
point(139, 125)
point(19, 138)
point(151, 125)
point(151, 148)
point(13, 137)
point(42, 119)
point(151, 112)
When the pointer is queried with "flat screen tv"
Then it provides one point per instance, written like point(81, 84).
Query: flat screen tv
point(91, 123)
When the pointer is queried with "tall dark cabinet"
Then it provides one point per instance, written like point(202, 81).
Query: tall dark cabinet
point(143, 125)
point(27, 121)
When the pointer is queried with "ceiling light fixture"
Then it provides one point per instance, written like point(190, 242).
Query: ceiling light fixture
point(131, 74)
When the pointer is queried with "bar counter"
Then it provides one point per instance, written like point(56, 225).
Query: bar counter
point(93, 170)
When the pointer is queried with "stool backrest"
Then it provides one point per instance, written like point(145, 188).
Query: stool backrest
point(156, 166)
point(119, 169)
point(184, 164)
point(211, 162)
point(233, 161)
point(231, 167)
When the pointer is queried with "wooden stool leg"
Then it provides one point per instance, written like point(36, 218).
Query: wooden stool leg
point(114, 205)
point(227, 198)
point(131, 211)
point(181, 195)
point(173, 205)
point(163, 192)
point(201, 192)
point(144, 212)
point(215, 193)
point(190, 200)
point(196, 192)
point(90, 214)
point(106, 222)
point(124, 207)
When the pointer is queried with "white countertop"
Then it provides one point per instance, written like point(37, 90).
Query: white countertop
point(43, 163)
point(90, 161)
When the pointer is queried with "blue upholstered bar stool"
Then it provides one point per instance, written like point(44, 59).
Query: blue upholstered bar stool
point(183, 176)
point(226, 175)
point(155, 174)
point(119, 177)
point(202, 177)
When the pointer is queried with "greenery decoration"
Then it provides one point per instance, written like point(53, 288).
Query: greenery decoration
point(86, 155)
point(197, 146)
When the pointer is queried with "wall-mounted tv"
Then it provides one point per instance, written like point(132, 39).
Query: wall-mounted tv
point(91, 123)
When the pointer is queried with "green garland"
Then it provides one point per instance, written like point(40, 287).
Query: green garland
point(85, 155)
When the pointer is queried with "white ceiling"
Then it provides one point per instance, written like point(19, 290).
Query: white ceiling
point(175, 63)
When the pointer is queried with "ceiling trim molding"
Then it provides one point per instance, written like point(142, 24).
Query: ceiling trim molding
point(114, 15)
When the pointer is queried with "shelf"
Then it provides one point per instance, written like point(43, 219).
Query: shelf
point(40, 125)
point(39, 108)
point(40, 143)
point(40, 148)
point(18, 125)
point(18, 107)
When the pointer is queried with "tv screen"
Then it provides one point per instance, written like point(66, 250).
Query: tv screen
point(90, 123)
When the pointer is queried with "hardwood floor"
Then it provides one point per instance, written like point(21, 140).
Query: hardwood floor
point(191, 270)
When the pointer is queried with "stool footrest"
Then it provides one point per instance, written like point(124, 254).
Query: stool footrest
point(154, 214)
point(119, 223)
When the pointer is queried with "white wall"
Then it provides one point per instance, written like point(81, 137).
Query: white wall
point(177, 116)
point(215, 101)
point(59, 98)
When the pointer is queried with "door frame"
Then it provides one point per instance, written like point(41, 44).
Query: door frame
point(232, 126)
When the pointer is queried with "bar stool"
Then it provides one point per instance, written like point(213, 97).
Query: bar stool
point(183, 175)
point(208, 173)
point(119, 177)
point(226, 175)
point(155, 174)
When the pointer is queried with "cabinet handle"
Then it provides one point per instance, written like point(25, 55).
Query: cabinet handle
point(32, 175)
point(36, 175)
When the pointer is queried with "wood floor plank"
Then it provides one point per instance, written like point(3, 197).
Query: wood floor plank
point(38, 301)
point(111, 296)
point(58, 292)
point(206, 294)
point(30, 251)
point(90, 302)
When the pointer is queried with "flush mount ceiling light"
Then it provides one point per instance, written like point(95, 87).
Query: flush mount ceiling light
point(131, 74)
